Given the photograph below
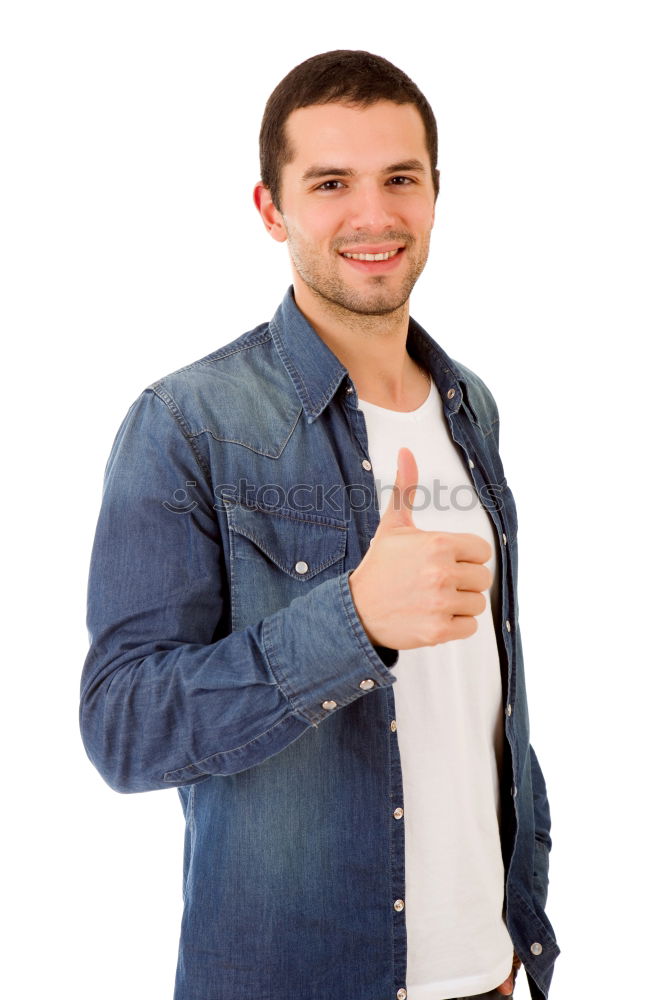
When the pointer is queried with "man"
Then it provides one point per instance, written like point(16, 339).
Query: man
point(339, 699)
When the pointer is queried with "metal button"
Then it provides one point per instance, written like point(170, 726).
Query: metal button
point(301, 567)
point(366, 464)
point(394, 725)
point(536, 948)
point(504, 538)
point(508, 625)
point(328, 705)
point(367, 684)
point(399, 905)
point(471, 464)
point(451, 393)
point(508, 709)
point(398, 813)
point(350, 388)
point(401, 995)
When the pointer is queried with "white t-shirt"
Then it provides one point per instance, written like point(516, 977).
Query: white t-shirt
point(450, 718)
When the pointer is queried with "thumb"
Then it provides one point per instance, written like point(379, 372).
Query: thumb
point(398, 513)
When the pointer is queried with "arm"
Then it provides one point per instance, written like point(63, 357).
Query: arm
point(543, 841)
point(166, 699)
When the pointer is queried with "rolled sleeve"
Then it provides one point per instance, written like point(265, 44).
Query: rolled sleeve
point(320, 654)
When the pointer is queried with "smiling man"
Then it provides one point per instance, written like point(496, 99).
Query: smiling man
point(358, 235)
point(329, 673)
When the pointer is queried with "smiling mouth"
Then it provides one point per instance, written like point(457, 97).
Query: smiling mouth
point(372, 256)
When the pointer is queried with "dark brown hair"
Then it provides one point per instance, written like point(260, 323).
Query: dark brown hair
point(345, 76)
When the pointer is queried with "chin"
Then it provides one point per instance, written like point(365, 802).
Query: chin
point(373, 304)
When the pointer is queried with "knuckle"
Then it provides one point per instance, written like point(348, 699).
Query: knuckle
point(441, 634)
point(433, 610)
point(441, 543)
point(443, 576)
point(437, 629)
point(436, 575)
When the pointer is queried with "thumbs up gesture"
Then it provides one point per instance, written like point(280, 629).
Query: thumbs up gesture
point(418, 588)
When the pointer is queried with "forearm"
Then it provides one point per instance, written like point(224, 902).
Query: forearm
point(163, 713)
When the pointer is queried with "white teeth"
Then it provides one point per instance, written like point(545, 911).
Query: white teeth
point(371, 256)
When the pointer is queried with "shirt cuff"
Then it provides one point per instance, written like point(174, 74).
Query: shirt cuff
point(320, 654)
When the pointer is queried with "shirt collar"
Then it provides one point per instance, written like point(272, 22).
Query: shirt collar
point(316, 372)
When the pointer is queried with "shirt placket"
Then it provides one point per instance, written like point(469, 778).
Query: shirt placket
point(506, 647)
point(395, 902)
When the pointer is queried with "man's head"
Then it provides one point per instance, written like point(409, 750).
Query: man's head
point(349, 179)
point(344, 76)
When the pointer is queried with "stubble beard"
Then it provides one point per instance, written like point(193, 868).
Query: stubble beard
point(380, 300)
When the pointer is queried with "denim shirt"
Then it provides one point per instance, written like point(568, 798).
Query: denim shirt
point(227, 660)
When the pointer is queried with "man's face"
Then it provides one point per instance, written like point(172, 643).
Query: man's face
point(359, 184)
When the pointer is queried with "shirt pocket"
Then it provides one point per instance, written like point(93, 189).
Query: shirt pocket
point(277, 554)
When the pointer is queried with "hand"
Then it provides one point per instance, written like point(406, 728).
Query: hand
point(418, 588)
point(506, 989)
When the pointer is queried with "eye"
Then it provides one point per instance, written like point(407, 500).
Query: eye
point(401, 181)
point(326, 186)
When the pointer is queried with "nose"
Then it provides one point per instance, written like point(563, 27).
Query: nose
point(371, 208)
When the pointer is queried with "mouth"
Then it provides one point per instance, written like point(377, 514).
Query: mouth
point(373, 260)
point(387, 255)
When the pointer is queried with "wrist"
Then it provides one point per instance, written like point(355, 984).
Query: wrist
point(356, 590)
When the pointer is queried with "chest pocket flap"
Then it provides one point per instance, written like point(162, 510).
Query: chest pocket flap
point(301, 545)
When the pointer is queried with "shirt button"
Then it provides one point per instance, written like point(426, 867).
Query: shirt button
point(328, 705)
point(401, 995)
point(394, 725)
point(366, 464)
point(399, 905)
point(536, 948)
point(514, 791)
point(508, 709)
point(398, 813)
point(508, 625)
point(301, 567)
point(504, 538)
point(350, 388)
point(471, 464)
point(367, 684)
point(451, 393)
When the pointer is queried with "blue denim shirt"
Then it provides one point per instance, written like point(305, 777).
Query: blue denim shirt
point(227, 660)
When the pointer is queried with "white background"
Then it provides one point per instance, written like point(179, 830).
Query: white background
point(130, 246)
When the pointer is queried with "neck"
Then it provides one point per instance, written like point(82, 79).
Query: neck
point(371, 347)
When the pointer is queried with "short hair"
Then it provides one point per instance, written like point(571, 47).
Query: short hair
point(344, 76)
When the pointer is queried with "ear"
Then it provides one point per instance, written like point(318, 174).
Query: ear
point(436, 197)
point(272, 219)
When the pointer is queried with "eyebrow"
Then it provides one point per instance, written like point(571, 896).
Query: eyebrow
point(405, 166)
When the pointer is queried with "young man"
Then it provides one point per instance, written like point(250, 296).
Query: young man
point(338, 698)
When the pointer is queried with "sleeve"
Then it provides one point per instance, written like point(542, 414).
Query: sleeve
point(543, 842)
point(167, 697)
